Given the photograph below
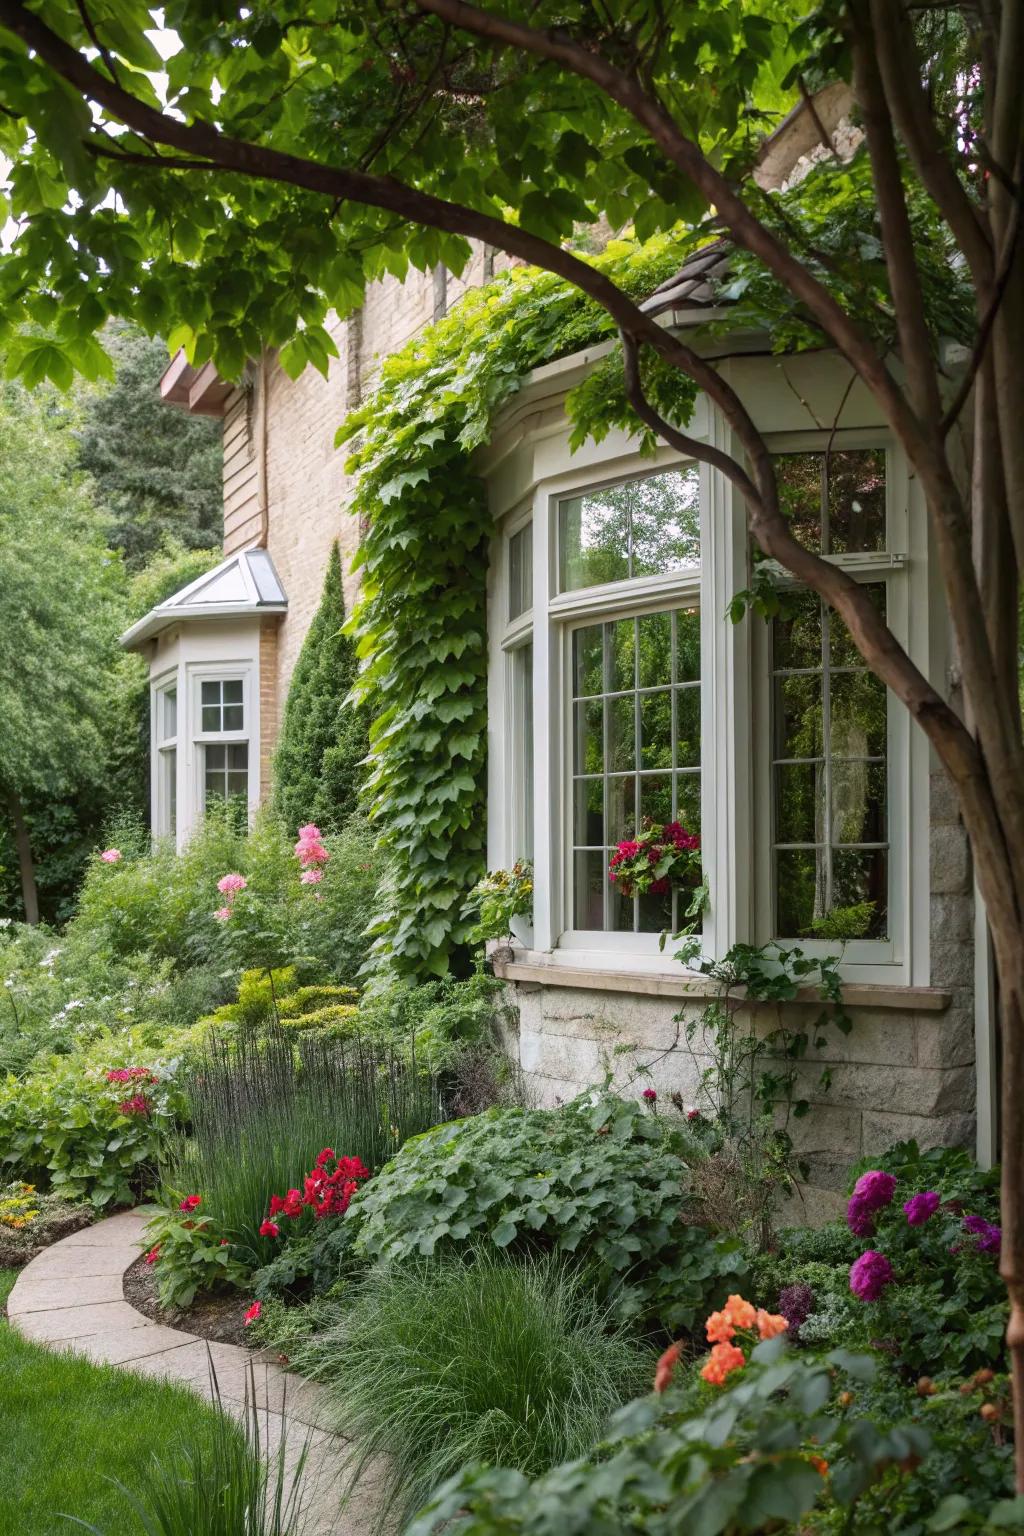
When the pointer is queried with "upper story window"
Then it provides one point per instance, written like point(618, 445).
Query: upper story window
point(520, 572)
point(642, 527)
point(221, 705)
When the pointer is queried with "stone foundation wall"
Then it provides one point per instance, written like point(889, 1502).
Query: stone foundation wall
point(897, 1074)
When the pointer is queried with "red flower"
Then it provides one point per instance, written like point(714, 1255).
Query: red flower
point(153, 1254)
point(253, 1314)
point(190, 1203)
point(137, 1105)
point(650, 1094)
point(270, 1229)
point(326, 1156)
point(666, 1367)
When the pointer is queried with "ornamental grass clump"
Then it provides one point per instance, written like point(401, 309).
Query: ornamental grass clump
point(439, 1363)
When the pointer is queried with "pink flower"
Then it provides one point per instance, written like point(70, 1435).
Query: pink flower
point(229, 885)
point(222, 914)
point(311, 876)
point(253, 1314)
point(920, 1208)
point(869, 1275)
point(875, 1188)
point(190, 1203)
point(310, 833)
point(270, 1229)
point(111, 855)
point(137, 1105)
point(312, 852)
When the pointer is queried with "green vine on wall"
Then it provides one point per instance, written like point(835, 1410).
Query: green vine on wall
point(421, 621)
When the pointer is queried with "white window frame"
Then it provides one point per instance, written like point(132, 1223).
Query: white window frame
point(199, 740)
point(161, 745)
point(735, 788)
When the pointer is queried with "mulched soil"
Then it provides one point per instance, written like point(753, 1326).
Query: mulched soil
point(217, 1317)
point(17, 1249)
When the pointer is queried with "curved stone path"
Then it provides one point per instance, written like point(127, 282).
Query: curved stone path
point(71, 1296)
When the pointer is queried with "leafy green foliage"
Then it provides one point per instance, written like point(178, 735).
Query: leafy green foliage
point(155, 469)
point(599, 1180)
point(420, 619)
point(323, 736)
point(437, 1363)
point(749, 1458)
point(190, 1254)
point(62, 1125)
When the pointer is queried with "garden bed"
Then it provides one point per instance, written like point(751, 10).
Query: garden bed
point(219, 1317)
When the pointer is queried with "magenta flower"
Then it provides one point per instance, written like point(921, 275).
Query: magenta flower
point(920, 1208)
point(111, 855)
point(230, 885)
point(650, 1096)
point(311, 876)
point(860, 1217)
point(989, 1237)
point(869, 1275)
point(222, 914)
point(876, 1188)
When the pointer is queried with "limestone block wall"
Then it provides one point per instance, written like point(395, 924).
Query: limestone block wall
point(897, 1074)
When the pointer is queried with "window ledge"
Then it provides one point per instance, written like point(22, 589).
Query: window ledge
point(858, 994)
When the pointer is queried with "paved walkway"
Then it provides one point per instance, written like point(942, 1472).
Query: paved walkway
point(72, 1297)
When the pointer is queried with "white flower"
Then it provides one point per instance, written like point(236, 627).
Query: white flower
point(5, 922)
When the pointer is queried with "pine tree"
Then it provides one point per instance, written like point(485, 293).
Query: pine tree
point(323, 738)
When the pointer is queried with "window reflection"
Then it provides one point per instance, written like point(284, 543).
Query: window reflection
point(641, 528)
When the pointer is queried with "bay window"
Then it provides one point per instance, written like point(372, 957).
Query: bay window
point(222, 741)
point(623, 696)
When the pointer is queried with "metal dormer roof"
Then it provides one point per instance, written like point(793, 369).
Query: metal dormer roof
point(243, 585)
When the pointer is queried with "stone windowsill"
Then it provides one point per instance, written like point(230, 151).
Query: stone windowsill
point(856, 994)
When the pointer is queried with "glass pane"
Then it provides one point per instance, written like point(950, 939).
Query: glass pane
point(842, 651)
point(862, 877)
point(655, 649)
point(232, 717)
point(796, 710)
point(593, 539)
point(215, 758)
point(238, 755)
point(588, 754)
point(688, 727)
point(210, 693)
point(688, 645)
point(589, 876)
point(238, 784)
point(799, 478)
point(656, 798)
point(170, 714)
point(588, 813)
point(859, 715)
point(622, 733)
point(622, 655)
point(800, 880)
point(688, 801)
point(858, 802)
point(796, 634)
point(800, 803)
point(655, 912)
point(520, 572)
point(522, 698)
point(666, 521)
point(856, 500)
point(171, 789)
point(211, 717)
point(623, 910)
point(622, 810)
point(233, 691)
point(587, 666)
point(656, 729)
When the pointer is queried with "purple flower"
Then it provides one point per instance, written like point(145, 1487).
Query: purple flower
point(869, 1275)
point(875, 1188)
point(920, 1208)
point(796, 1303)
point(860, 1216)
point(989, 1237)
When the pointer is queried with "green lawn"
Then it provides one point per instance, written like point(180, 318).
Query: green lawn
point(65, 1424)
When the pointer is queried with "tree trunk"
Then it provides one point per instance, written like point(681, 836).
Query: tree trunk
point(26, 864)
point(1011, 1264)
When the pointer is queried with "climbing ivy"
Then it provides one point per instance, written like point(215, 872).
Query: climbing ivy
point(420, 621)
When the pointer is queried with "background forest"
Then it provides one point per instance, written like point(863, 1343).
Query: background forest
point(109, 501)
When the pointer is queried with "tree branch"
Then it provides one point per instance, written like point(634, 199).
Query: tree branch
point(1006, 261)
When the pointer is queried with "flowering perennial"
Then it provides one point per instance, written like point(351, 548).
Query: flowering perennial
point(737, 1316)
point(111, 856)
point(323, 1192)
point(920, 1208)
point(310, 850)
point(190, 1203)
point(229, 887)
point(654, 859)
point(870, 1274)
point(989, 1237)
point(131, 1075)
point(253, 1314)
point(138, 1104)
point(871, 1193)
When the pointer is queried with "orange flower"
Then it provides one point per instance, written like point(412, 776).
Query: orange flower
point(739, 1312)
point(666, 1367)
point(723, 1359)
point(769, 1324)
point(819, 1464)
point(719, 1329)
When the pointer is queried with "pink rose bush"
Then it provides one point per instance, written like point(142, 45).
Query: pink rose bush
point(312, 855)
point(229, 887)
point(111, 856)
